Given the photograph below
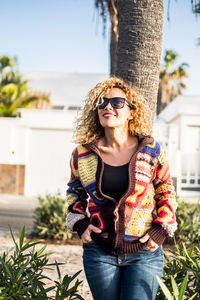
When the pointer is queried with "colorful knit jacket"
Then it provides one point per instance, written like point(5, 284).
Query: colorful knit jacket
point(148, 205)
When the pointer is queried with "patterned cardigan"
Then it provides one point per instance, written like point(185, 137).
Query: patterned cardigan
point(148, 205)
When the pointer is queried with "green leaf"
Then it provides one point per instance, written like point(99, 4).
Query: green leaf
point(175, 288)
point(41, 250)
point(193, 296)
point(21, 236)
point(58, 271)
point(165, 290)
point(183, 287)
point(22, 268)
point(30, 245)
point(16, 246)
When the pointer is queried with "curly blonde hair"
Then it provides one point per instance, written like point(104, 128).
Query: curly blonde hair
point(88, 126)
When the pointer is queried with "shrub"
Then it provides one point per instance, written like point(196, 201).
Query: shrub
point(181, 264)
point(21, 274)
point(188, 218)
point(49, 218)
point(177, 294)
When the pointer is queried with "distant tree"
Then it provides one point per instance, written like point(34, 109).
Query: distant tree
point(171, 80)
point(196, 6)
point(14, 91)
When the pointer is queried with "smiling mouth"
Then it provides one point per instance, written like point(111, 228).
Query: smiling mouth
point(108, 115)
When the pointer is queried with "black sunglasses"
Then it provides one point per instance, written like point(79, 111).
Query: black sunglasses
point(116, 102)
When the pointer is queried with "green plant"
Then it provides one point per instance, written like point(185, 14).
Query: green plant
point(179, 264)
point(188, 218)
point(177, 294)
point(50, 218)
point(14, 91)
point(21, 274)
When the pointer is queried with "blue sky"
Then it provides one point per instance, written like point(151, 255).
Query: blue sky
point(66, 36)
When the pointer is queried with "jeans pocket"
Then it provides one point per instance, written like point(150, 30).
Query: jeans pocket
point(88, 244)
point(158, 251)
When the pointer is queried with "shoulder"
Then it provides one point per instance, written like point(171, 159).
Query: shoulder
point(81, 151)
point(153, 147)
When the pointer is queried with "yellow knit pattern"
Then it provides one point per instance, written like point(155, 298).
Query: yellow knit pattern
point(152, 145)
point(140, 223)
point(74, 171)
point(70, 198)
point(162, 157)
point(87, 167)
point(169, 214)
point(148, 200)
point(165, 188)
point(132, 199)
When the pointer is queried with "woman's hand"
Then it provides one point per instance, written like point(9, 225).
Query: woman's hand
point(86, 236)
point(151, 245)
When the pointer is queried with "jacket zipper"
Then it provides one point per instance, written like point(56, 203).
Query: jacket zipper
point(126, 194)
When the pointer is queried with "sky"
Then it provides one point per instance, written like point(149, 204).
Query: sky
point(66, 36)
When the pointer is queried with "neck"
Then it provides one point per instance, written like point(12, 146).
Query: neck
point(117, 138)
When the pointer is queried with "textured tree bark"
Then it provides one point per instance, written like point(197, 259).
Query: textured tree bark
point(113, 51)
point(139, 46)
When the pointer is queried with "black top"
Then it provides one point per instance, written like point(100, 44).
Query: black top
point(115, 180)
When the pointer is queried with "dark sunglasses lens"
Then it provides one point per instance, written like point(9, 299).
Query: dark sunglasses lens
point(117, 102)
point(103, 104)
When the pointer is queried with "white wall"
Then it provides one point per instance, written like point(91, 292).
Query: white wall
point(42, 140)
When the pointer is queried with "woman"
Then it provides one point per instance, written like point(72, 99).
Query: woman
point(121, 198)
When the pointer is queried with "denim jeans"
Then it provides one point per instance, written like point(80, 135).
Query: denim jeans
point(122, 277)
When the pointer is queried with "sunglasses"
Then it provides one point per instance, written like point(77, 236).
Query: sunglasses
point(116, 102)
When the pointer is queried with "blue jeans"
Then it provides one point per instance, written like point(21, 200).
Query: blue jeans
point(122, 277)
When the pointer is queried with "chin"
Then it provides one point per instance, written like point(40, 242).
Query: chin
point(108, 123)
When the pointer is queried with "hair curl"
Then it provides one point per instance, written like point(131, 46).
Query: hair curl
point(88, 126)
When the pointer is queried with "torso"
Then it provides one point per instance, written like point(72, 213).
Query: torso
point(115, 180)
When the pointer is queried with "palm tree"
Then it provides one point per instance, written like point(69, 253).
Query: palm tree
point(139, 46)
point(196, 10)
point(171, 82)
point(196, 6)
point(14, 91)
point(139, 36)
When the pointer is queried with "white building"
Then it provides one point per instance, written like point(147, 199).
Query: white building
point(178, 128)
point(35, 153)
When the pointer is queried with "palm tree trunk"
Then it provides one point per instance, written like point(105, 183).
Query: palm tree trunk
point(113, 51)
point(139, 46)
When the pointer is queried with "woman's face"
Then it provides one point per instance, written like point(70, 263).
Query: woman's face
point(112, 117)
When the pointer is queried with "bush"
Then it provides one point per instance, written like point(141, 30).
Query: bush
point(50, 218)
point(188, 218)
point(21, 274)
point(182, 263)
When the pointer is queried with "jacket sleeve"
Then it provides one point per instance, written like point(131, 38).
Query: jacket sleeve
point(76, 218)
point(166, 204)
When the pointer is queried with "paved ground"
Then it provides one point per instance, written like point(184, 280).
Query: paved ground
point(16, 211)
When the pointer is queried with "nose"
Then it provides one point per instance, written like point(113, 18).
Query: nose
point(108, 106)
